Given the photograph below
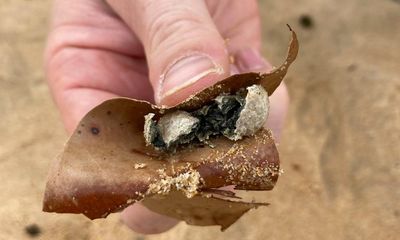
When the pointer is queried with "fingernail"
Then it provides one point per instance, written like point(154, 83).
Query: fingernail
point(185, 72)
point(250, 59)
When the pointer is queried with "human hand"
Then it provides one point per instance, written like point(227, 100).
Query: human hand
point(159, 51)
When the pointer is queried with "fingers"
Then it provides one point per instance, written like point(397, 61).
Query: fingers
point(92, 56)
point(238, 22)
point(251, 60)
point(90, 24)
point(142, 220)
point(184, 49)
point(279, 104)
point(80, 79)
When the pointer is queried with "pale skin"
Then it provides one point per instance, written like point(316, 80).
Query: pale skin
point(159, 51)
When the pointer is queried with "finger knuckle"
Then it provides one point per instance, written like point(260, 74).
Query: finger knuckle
point(171, 25)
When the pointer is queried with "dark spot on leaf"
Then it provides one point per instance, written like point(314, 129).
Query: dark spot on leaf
point(82, 125)
point(134, 150)
point(33, 230)
point(296, 167)
point(109, 112)
point(79, 132)
point(306, 21)
point(121, 124)
point(137, 151)
point(197, 217)
point(95, 130)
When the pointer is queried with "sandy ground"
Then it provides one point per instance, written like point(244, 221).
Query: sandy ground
point(340, 147)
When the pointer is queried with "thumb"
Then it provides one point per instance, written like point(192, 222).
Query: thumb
point(185, 52)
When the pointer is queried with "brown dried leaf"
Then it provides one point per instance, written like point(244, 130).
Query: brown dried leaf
point(98, 171)
point(201, 210)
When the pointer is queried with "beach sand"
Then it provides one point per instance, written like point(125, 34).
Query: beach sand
point(340, 147)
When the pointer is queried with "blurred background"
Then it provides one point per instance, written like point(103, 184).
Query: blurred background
point(340, 148)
